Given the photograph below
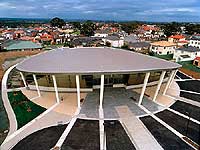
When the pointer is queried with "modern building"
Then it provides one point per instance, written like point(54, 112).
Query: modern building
point(95, 68)
point(163, 47)
point(95, 84)
point(186, 53)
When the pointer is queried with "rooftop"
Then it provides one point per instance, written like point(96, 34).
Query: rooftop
point(177, 37)
point(93, 60)
point(163, 43)
point(189, 49)
point(19, 45)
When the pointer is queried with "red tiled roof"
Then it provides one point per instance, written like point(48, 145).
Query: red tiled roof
point(177, 37)
point(197, 58)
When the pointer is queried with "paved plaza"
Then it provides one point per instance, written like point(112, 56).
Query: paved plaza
point(114, 97)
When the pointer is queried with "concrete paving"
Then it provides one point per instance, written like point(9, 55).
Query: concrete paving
point(114, 97)
point(140, 136)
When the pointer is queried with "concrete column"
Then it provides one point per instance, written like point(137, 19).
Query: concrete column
point(78, 91)
point(144, 87)
point(23, 79)
point(169, 81)
point(173, 78)
point(101, 92)
point(36, 85)
point(159, 85)
point(56, 89)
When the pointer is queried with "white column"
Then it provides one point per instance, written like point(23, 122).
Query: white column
point(23, 79)
point(144, 87)
point(78, 91)
point(159, 85)
point(36, 85)
point(173, 78)
point(169, 81)
point(56, 88)
point(101, 92)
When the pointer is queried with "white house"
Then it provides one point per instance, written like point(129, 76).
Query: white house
point(163, 47)
point(195, 41)
point(115, 41)
point(186, 53)
point(101, 33)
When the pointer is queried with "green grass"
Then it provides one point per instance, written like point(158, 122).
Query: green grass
point(189, 65)
point(166, 57)
point(24, 109)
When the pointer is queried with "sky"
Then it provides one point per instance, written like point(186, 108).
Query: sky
point(118, 10)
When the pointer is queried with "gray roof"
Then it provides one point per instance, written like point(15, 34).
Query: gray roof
point(195, 38)
point(112, 37)
point(93, 60)
point(139, 44)
point(189, 49)
point(131, 38)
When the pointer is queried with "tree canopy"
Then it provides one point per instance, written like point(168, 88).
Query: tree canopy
point(129, 27)
point(192, 29)
point(88, 28)
point(171, 28)
point(57, 22)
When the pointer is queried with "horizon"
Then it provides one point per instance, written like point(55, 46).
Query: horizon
point(115, 10)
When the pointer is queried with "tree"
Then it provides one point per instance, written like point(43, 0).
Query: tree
point(76, 25)
point(192, 29)
point(129, 27)
point(108, 44)
point(171, 28)
point(88, 28)
point(57, 22)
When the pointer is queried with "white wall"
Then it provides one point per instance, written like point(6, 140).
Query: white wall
point(178, 53)
point(194, 43)
point(162, 50)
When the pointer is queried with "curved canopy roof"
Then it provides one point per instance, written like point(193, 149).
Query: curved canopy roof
point(93, 60)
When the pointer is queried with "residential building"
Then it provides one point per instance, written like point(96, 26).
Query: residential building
point(195, 41)
point(139, 46)
point(163, 47)
point(196, 62)
point(115, 41)
point(179, 39)
point(10, 45)
point(186, 53)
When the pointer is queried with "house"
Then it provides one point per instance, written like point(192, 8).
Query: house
point(115, 41)
point(163, 47)
point(10, 45)
point(179, 39)
point(131, 39)
point(139, 46)
point(195, 41)
point(86, 41)
point(196, 62)
point(188, 53)
point(101, 33)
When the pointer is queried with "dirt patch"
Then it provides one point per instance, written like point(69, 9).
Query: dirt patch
point(7, 55)
point(193, 74)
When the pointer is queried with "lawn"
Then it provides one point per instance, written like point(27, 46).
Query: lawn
point(24, 109)
point(166, 57)
point(188, 65)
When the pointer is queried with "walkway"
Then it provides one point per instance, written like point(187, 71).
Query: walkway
point(140, 136)
point(114, 97)
point(46, 119)
point(8, 107)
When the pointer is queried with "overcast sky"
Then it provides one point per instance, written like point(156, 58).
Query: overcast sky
point(142, 10)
